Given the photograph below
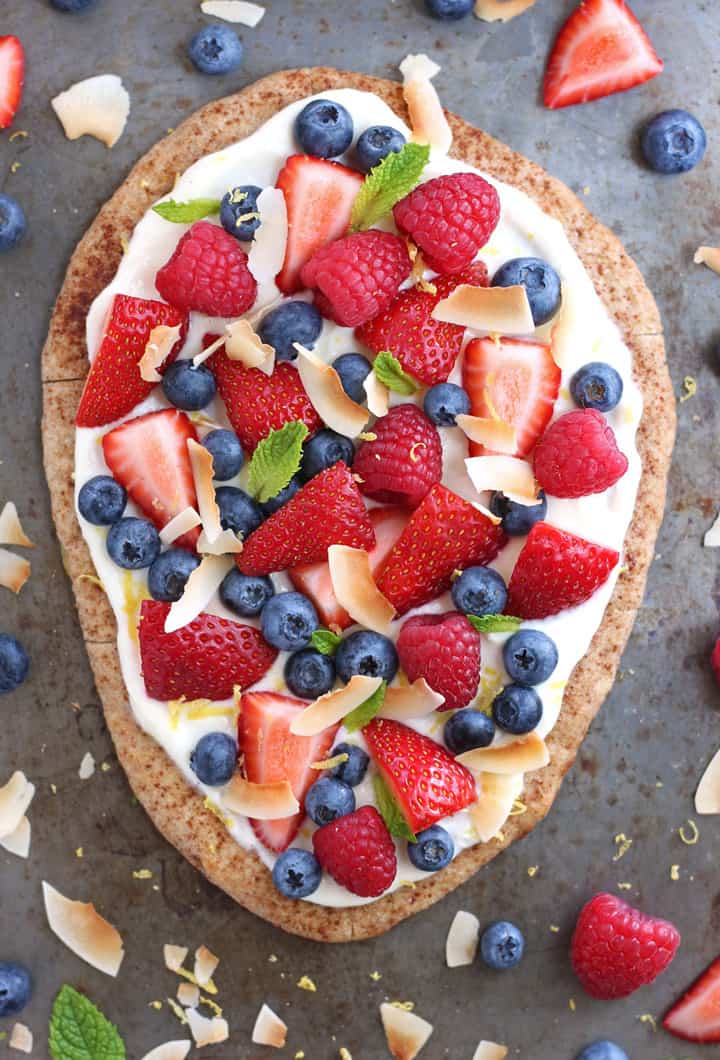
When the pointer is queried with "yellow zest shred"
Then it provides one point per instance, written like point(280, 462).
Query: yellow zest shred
point(91, 578)
point(689, 385)
point(674, 873)
point(306, 983)
point(177, 1009)
point(554, 928)
point(406, 1006)
point(19, 134)
point(212, 1005)
point(650, 1020)
point(571, 1004)
point(623, 844)
point(624, 886)
point(330, 763)
point(210, 805)
point(532, 871)
point(157, 1005)
point(142, 874)
point(692, 839)
point(375, 976)
point(518, 808)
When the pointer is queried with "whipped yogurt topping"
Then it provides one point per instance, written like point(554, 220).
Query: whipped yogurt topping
point(524, 229)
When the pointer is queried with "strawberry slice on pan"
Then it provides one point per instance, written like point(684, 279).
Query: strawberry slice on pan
point(12, 71)
point(696, 1016)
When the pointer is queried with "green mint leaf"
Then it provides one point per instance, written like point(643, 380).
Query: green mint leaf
point(276, 460)
point(494, 623)
point(390, 812)
point(391, 180)
point(365, 712)
point(325, 641)
point(184, 213)
point(79, 1031)
point(392, 374)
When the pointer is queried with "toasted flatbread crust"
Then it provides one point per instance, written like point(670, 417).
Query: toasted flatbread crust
point(176, 809)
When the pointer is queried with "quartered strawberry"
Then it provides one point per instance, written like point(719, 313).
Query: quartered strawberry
point(12, 69)
point(328, 510)
point(427, 782)
point(149, 457)
point(204, 660)
point(512, 380)
point(114, 385)
point(272, 753)
point(445, 534)
point(601, 49)
point(696, 1016)
point(319, 196)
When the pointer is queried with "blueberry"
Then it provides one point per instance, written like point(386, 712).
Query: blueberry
point(13, 223)
point(673, 142)
point(353, 771)
point(449, 10)
point(502, 945)
point(444, 402)
point(517, 709)
point(72, 6)
point(188, 388)
point(324, 128)
point(368, 653)
point(234, 210)
point(353, 370)
point(14, 663)
point(296, 873)
point(479, 591)
point(238, 511)
point(215, 49)
point(102, 500)
point(327, 799)
point(540, 281)
point(245, 594)
point(226, 452)
point(433, 850)
point(309, 673)
point(16, 987)
point(280, 499)
point(169, 572)
point(467, 729)
point(323, 450)
point(214, 759)
point(518, 519)
point(293, 321)
point(133, 543)
point(604, 1050)
point(596, 386)
point(377, 143)
point(530, 656)
point(288, 621)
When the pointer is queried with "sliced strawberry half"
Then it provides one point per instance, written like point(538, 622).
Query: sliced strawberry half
point(272, 753)
point(696, 1016)
point(601, 49)
point(515, 381)
point(319, 196)
point(12, 71)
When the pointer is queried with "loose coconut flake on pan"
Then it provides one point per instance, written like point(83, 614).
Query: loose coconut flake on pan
point(406, 1033)
point(462, 940)
point(159, 344)
point(240, 11)
point(712, 536)
point(15, 798)
point(500, 11)
point(427, 117)
point(188, 994)
point(174, 956)
point(403, 702)
point(263, 802)
point(98, 106)
point(267, 250)
point(496, 435)
point(180, 524)
point(84, 931)
point(505, 310)
point(200, 588)
point(177, 1050)
point(333, 706)
point(323, 387)
point(269, 1029)
point(206, 1031)
point(496, 794)
point(490, 1051)
point(707, 796)
point(508, 474)
point(709, 256)
point(11, 531)
point(14, 571)
point(87, 766)
point(21, 1038)
point(355, 588)
point(205, 964)
point(521, 756)
point(18, 841)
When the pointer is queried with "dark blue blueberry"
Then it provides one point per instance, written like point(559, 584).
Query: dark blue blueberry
point(234, 210)
point(449, 10)
point(16, 987)
point(188, 388)
point(214, 759)
point(467, 729)
point(596, 386)
point(518, 519)
point(353, 771)
point(324, 128)
point(540, 281)
point(309, 673)
point(433, 850)
point(73, 7)
point(226, 451)
point(353, 370)
point(288, 621)
point(368, 653)
point(327, 799)
point(502, 945)
point(377, 143)
point(13, 223)
point(14, 663)
point(215, 50)
point(102, 500)
point(245, 594)
point(444, 401)
point(604, 1050)
point(673, 142)
point(517, 709)
point(280, 499)
point(479, 591)
point(296, 873)
point(323, 450)
point(169, 572)
point(293, 321)
point(133, 543)
point(530, 656)
point(238, 511)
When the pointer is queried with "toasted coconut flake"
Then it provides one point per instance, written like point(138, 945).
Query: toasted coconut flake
point(494, 519)
point(213, 541)
point(269, 1029)
point(355, 588)
point(496, 795)
point(709, 256)
point(243, 344)
point(427, 117)
point(200, 588)
point(497, 435)
point(177, 1050)
point(227, 543)
point(206, 1031)
point(406, 1033)
point(188, 994)
point(159, 344)
point(264, 802)
point(505, 310)
point(712, 536)
point(500, 11)
point(246, 14)
point(267, 250)
point(14, 570)
point(333, 706)
point(21, 1038)
point(490, 1050)
point(11, 531)
point(15, 797)
point(180, 524)
point(521, 756)
point(410, 701)
point(174, 956)
point(462, 940)
point(98, 106)
point(707, 796)
point(508, 474)
point(201, 357)
point(378, 395)
point(87, 766)
point(205, 964)
point(84, 931)
point(326, 393)
point(18, 842)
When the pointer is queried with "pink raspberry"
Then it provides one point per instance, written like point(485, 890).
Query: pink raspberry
point(445, 650)
point(578, 455)
point(208, 272)
point(358, 852)
point(715, 659)
point(403, 461)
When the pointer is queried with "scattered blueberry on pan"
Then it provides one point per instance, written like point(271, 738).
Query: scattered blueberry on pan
point(327, 799)
point(296, 873)
point(280, 499)
point(324, 128)
point(187, 387)
point(596, 386)
point(323, 450)
point(13, 223)
point(517, 709)
point(309, 673)
point(14, 665)
point(518, 519)
point(433, 850)
point(237, 209)
point(540, 281)
point(353, 370)
point(238, 511)
point(226, 451)
point(354, 769)
point(530, 656)
point(673, 141)
point(479, 591)
point(214, 759)
point(604, 1050)
point(169, 573)
point(288, 621)
point(16, 987)
point(72, 7)
point(215, 49)
point(133, 543)
point(467, 729)
point(377, 143)
point(102, 500)
point(443, 402)
point(502, 945)
point(449, 10)
point(245, 594)
point(368, 653)
point(293, 321)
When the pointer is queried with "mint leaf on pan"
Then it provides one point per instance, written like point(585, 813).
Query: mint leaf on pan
point(390, 812)
point(184, 213)
point(325, 641)
point(494, 623)
point(387, 183)
point(79, 1031)
point(392, 374)
point(365, 712)
point(276, 460)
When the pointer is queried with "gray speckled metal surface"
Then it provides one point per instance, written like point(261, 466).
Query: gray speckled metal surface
point(637, 770)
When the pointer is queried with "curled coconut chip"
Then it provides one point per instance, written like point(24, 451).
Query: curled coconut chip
point(378, 395)
point(500, 11)
point(493, 309)
point(15, 798)
point(242, 343)
point(97, 106)
point(18, 841)
point(14, 570)
point(206, 1031)
point(87, 766)
point(177, 1050)
point(269, 1029)
point(188, 994)
point(490, 1051)
point(21, 1038)
point(11, 531)
point(496, 435)
point(709, 256)
point(508, 474)
point(355, 589)
point(406, 1033)
point(199, 590)
point(333, 706)
point(180, 524)
point(213, 541)
point(84, 931)
point(521, 756)
point(205, 964)
point(427, 117)
point(462, 940)
point(496, 794)
point(267, 250)
point(707, 796)
point(323, 387)
point(159, 344)
point(263, 802)
point(712, 536)
point(240, 11)
point(417, 700)
point(174, 956)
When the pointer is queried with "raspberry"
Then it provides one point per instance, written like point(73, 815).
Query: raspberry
point(445, 650)
point(404, 460)
point(358, 852)
point(715, 659)
point(578, 455)
point(449, 218)
point(358, 276)
point(208, 272)
point(615, 949)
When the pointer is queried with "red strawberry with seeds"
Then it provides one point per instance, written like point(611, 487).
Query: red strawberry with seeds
point(208, 272)
point(12, 70)
point(578, 455)
point(425, 779)
point(555, 570)
point(203, 660)
point(615, 948)
point(114, 385)
point(358, 852)
point(445, 650)
point(696, 1016)
point(403, 461)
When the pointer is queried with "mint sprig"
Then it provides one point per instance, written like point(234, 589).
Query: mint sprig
point(325, 641)
point(184, 213)
point(79, 1031)
point(494, 623)
point(387, 183)
point(366, 711)
point(390, 812)
point(276, 460)
point(391, 374)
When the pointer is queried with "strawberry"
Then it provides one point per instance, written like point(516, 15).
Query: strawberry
point(445, 533)
point(513, 380)
point(12, 69)
point(601, 49)
point(696, 1016)
point(715, 660)
point(272, 753)
point(425, 779)
point(205, 659)
point(114, 385)
point(149, 457)
point(328, 510)
point(445, 650)
point(358, 852)
point(319, 196)
point(403, 460)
